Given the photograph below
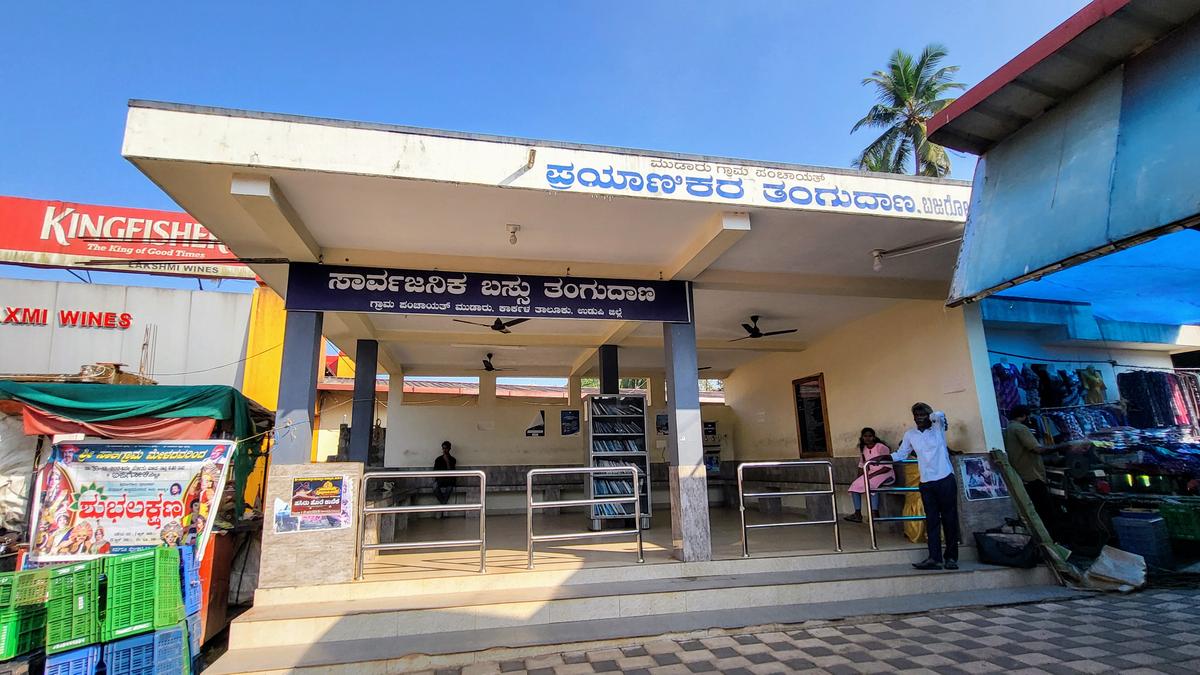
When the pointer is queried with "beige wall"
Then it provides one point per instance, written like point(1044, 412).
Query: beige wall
point(481, 437)
point(874, 368)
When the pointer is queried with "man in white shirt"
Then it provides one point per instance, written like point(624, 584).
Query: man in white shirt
point(939, 490)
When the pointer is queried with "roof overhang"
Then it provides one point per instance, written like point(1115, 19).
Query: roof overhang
point(791, 243)
point(1099, 37)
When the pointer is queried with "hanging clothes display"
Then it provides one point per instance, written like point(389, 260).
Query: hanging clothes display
point(1158, 398)
point(1093, 384)
point(1072, 392)
point(1073, 424)
point(1006, 378)
point(1048, 390)
point(1029, 387)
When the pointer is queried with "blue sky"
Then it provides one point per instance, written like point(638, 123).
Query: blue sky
point(767, 79)
point(774, 80)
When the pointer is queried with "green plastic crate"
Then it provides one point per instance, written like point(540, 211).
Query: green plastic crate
point(143, 593)
point(73, 606)
point(23, 589)
point(22, 631)
point(1183, 520)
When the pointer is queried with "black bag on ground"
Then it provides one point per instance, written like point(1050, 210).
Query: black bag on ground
point(1012, 548)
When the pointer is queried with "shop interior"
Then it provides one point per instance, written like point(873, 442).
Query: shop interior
point(1106, 354)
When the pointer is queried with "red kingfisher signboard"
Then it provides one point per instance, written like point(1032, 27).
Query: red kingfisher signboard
point(65, 234)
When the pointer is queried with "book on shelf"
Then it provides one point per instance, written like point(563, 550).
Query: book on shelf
point(602, 445)
point(619, 464)
point(613, 487)
point(618, 510)
point(611, 427)
point(615, 408)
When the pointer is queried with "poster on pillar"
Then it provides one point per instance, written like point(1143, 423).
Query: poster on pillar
point(538, 426)
point(321, 503)
point(339, 288)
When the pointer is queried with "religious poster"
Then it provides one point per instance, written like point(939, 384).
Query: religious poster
point(99, 497)
point(570, 422)
point(318, 503)
point(980, 481)
point(538, 426)
point(317, 496)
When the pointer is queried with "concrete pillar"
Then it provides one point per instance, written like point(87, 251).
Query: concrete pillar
point(690, 539)
point(610, 376)
point(574, 392)
point(981, 372)
point(487, 391)
point(362, 410)
point(395, 389)
point(298, 388)
point(656, 389)
point(486, 404)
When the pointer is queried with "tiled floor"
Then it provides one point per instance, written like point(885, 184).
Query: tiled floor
point(1149, 632)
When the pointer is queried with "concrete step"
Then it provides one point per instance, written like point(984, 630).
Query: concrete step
point(517, 577)
point(455, 648)
point(392, 617)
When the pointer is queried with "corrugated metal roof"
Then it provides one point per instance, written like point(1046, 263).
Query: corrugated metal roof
point(1098, 38)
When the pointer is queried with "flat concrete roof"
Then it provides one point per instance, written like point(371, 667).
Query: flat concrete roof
point(790, 243)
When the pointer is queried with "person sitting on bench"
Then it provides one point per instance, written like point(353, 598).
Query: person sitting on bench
point(870, 447)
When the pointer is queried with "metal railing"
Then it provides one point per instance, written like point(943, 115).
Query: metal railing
point(365, 511)
point(895, 487)
point(531, 505)
point(742, 495)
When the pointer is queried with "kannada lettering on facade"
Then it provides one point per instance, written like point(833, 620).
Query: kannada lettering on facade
point(339, 288)
point(761, 186)
point(508, 288)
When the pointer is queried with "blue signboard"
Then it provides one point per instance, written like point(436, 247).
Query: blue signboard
point(332, 288)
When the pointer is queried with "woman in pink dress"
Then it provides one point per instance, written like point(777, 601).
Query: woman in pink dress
point(870, 447)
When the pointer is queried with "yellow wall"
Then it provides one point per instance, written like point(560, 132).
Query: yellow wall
point(264, 348)
point(264, 358)
point(333, 409)
point(875, 369)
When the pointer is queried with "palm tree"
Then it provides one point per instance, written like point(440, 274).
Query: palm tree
point(885, 158)
point(908, 93)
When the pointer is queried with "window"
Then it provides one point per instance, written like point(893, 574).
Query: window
point(553, 389)
point(812, 427)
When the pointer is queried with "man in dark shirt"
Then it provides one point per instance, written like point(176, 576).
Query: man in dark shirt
point(1025, 455)
point(444, 487)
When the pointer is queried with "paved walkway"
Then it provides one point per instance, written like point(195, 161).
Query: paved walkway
point(1150, 632)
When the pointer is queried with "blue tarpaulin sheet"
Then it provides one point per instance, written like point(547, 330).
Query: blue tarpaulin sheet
point(1156, 282)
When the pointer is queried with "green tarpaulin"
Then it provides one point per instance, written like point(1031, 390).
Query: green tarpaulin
point(109, 402)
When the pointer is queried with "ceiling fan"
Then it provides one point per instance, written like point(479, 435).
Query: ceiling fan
point(499, 325)
point(487, 363)
point(754, 332)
